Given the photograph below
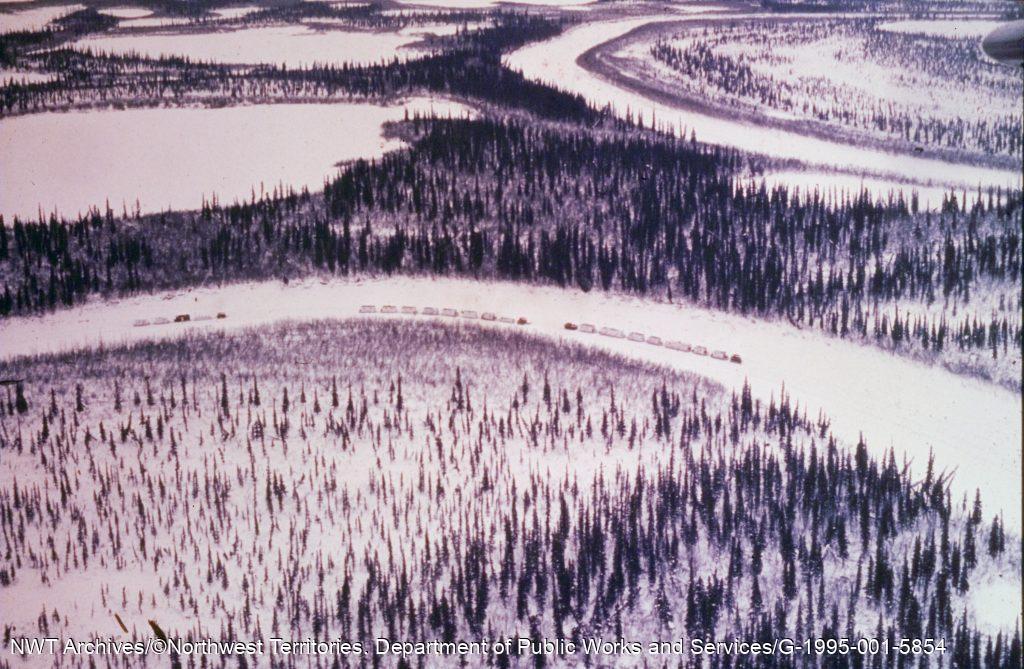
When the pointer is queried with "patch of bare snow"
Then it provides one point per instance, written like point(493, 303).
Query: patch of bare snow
point(235, 12)
point(127, 12)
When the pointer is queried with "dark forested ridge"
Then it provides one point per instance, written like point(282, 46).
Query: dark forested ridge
point(470, 508)
point(590, 210)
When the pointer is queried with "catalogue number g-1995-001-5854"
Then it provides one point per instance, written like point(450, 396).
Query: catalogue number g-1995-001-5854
point(820, 646)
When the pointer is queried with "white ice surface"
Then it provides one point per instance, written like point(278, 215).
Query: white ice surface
point(973, 427)
point(235, 12)
point(289, 45)
point(34, 18)
point(127, 12)
point(76, 160)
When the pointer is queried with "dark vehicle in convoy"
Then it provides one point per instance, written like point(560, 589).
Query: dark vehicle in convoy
point(736, 358)
point(571, 326)
point(521, 321)
point(221, 315)
point(182, 318)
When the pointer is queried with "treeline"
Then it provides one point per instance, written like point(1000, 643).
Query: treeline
point(424, 482)
point(627, 212)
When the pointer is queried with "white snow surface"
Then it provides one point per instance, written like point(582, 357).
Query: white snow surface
point(555, 62)
point(235, 12)
point(34, 18)
point(76, 160)
point(290, 45)
point(972, 427)
point(127, 12)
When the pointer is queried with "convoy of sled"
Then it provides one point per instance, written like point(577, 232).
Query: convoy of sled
point(585, 328)
point(469, 314)
point(652, 340)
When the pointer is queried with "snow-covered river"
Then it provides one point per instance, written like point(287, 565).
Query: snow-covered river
point(972, 427)
point(175, 157)
point(555, 62)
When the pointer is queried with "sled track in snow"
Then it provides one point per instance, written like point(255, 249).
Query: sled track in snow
point(491, 317)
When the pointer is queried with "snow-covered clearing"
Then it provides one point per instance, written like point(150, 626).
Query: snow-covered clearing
point(35, 18)
point(292, 46)
point(235, 12)
point(127, 12)
point(77, 160)
point(972, 427)
point(555, 62)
